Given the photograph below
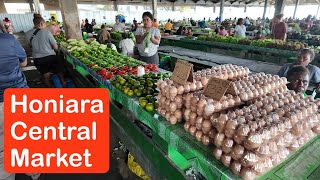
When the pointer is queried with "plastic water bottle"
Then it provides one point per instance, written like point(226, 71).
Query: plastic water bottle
point(56, 81)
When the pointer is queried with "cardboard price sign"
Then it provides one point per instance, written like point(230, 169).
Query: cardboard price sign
point(216, 88)
point(182, 72)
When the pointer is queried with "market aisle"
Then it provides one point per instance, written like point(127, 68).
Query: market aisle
point(33, 79)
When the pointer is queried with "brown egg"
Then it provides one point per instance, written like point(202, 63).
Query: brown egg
point(274, 130)
point(284, 153)
point(231, 127)
point(192, 130)
point(263, 112)
point(237, 152)
point(218, 140)
point(212, 133)
point(206, 126)
point(294, 145)
point(241, 119)
point(199, 121)
point(272, 146)
point(297, 129)
point(226, 159)
point(236, 167)
point(263, 151)
point(253, 141)
point(249, 159)
point(199, 135)
point(280, 103)
point(205, 140)
point(217, 153)
point(247, 174)
point(227, 145)
point(186, 126)
point(259, 168)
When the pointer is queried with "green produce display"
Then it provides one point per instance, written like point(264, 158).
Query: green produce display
point(116, 35)
point(103, 60)
point(144, 88)
point(60, 38)
point(268, 43)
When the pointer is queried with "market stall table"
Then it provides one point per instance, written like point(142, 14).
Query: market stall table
point(178, 144)
point(211, 59)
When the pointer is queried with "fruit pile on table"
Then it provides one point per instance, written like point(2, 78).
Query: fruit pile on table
point(105, 61)
point(144, 88)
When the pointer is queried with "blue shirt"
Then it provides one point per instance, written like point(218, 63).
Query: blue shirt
point(314, 72)
point(11, 55)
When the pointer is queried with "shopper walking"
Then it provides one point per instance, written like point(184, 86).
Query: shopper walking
point(278, 28)
point(43, 51)
point(240, 29)
point(148, 40)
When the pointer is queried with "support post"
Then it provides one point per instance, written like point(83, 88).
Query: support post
point(295, 9)
point(31, 6)
point(173, 7)
point(154, 8)
point(279, 7)
point(2, 7)
point(37, 6)
point(221, 10)
point(115, 5)
point(214, 8)
point(70, 16)
point(318, 11)
point(265, 9)
point(245, 8)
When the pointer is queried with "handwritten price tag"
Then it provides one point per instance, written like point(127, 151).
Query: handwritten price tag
point(182, 72)
point(216, 88)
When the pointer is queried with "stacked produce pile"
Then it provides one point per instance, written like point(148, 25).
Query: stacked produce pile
point(103, 60)
point(251, 132)
point(142, 87)
point(117, 35)
point(267, 43)
point(256, 138)
point(172, 96)
point(200, 110)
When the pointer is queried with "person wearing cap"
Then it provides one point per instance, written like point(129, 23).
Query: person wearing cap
point(298, 77)
point(148, 40)
point(305, 57)
point(119, 26)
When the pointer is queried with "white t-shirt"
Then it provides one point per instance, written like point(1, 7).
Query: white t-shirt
point(152, 48)
point(240, 31)
point(119, 27)
point(126, 46)
point(113, 47)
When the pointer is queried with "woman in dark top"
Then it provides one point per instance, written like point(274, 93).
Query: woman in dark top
point(88, 27)
point(279, 28)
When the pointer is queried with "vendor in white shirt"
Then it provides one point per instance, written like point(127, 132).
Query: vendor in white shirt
point(126, 45)
point(118, 26)
point(240, 29)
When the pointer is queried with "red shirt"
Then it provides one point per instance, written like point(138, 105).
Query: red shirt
point(279, 30)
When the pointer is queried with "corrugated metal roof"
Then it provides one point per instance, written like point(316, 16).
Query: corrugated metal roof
point(20, 22)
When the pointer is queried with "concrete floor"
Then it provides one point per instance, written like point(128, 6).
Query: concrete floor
point(33, 78)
